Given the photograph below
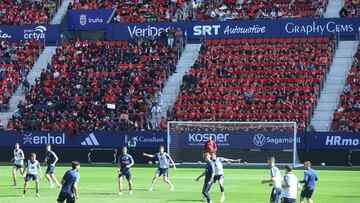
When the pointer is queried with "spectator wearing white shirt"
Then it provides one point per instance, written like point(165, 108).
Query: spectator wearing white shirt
point(158, 98)
point(357, 106)
point(56, 74)
point(346, 88)
point(273, 14)
point(156, 116)
point(320, 12)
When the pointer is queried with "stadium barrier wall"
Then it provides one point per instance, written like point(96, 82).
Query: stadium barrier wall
point(153, 139)
point(78, 147)
point(44, 33)
point(329, 147)
point(100, 139)
point(95, 20)
point(344, 27)
point(89, 19)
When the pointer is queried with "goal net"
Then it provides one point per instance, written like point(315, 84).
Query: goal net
point(102, 156)
point(252, 142)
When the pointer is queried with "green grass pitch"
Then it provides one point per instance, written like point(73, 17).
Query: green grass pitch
point(99, 185)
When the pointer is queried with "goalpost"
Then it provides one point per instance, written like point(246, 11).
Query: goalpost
point(252, 142)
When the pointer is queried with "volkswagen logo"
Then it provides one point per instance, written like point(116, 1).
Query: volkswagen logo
point(259, 140)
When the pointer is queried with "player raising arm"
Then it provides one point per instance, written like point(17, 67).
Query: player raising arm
point(209, 174)
point(125, 163)
point(275, 181)
point(18, 162)
point(51, 159)
point(69, 189)
point(32, 166)
point(310, 177)
point(163, 169)
point(219, 172)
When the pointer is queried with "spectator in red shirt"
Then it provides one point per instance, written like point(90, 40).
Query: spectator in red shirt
point(163, 123)
point(210, 146)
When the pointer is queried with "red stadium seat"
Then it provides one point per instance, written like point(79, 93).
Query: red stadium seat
point(303, 39)
point(254, 86)
point(311, 39)
point(11, 69)
point(252, 41)
point(162, 11)
point(27, 12)
point(347, 117)
point(222, 41)
point(123, 76)
point(274, 40)
point(230, 41)
point(259, 40)
point(266, 40)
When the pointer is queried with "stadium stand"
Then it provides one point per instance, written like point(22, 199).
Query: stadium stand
point(170, 10)
point(347, 116)
point(256, 79)
point(350, 9)
point(27, 12)
point(275, 9)
point(16, 59)
point(101, 85)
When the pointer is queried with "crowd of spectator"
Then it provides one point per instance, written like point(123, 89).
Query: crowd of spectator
point(190, 10)
point(27, 12)
point(16, 59)
point(347, 116)
point(255, 9)
point(350, 9)
point(99, 85)
point(263, 79)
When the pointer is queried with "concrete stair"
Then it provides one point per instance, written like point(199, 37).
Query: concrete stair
point(40, 64)
point(333, 8)
point(172, 86)
point(60, 13)
point(334, 83)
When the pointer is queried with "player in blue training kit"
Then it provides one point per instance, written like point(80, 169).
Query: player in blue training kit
point(209, 174)
point(51, 159)
point(32, 166)
point(125, 162)
point(69, 184)
point(18, 162)
point(163, 169)
point(275, 181)
point(219, 172)
point(310, 177)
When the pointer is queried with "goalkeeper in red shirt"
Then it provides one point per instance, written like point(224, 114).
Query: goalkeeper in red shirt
point(210, 146)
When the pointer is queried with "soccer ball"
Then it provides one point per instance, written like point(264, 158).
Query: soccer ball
point(245, 163)
point(322, 164)
point(156, 162)
point(150, 162)
point(199, 162)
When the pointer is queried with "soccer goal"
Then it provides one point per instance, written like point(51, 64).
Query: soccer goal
point(252, 142)
point(102, 156)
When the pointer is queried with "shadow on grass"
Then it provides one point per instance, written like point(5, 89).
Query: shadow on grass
point(12, 188)
point(113, 193)
point(141, 189)
point(98, 193)
point(347, 196)
point(4, 196)
point(184, 200)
